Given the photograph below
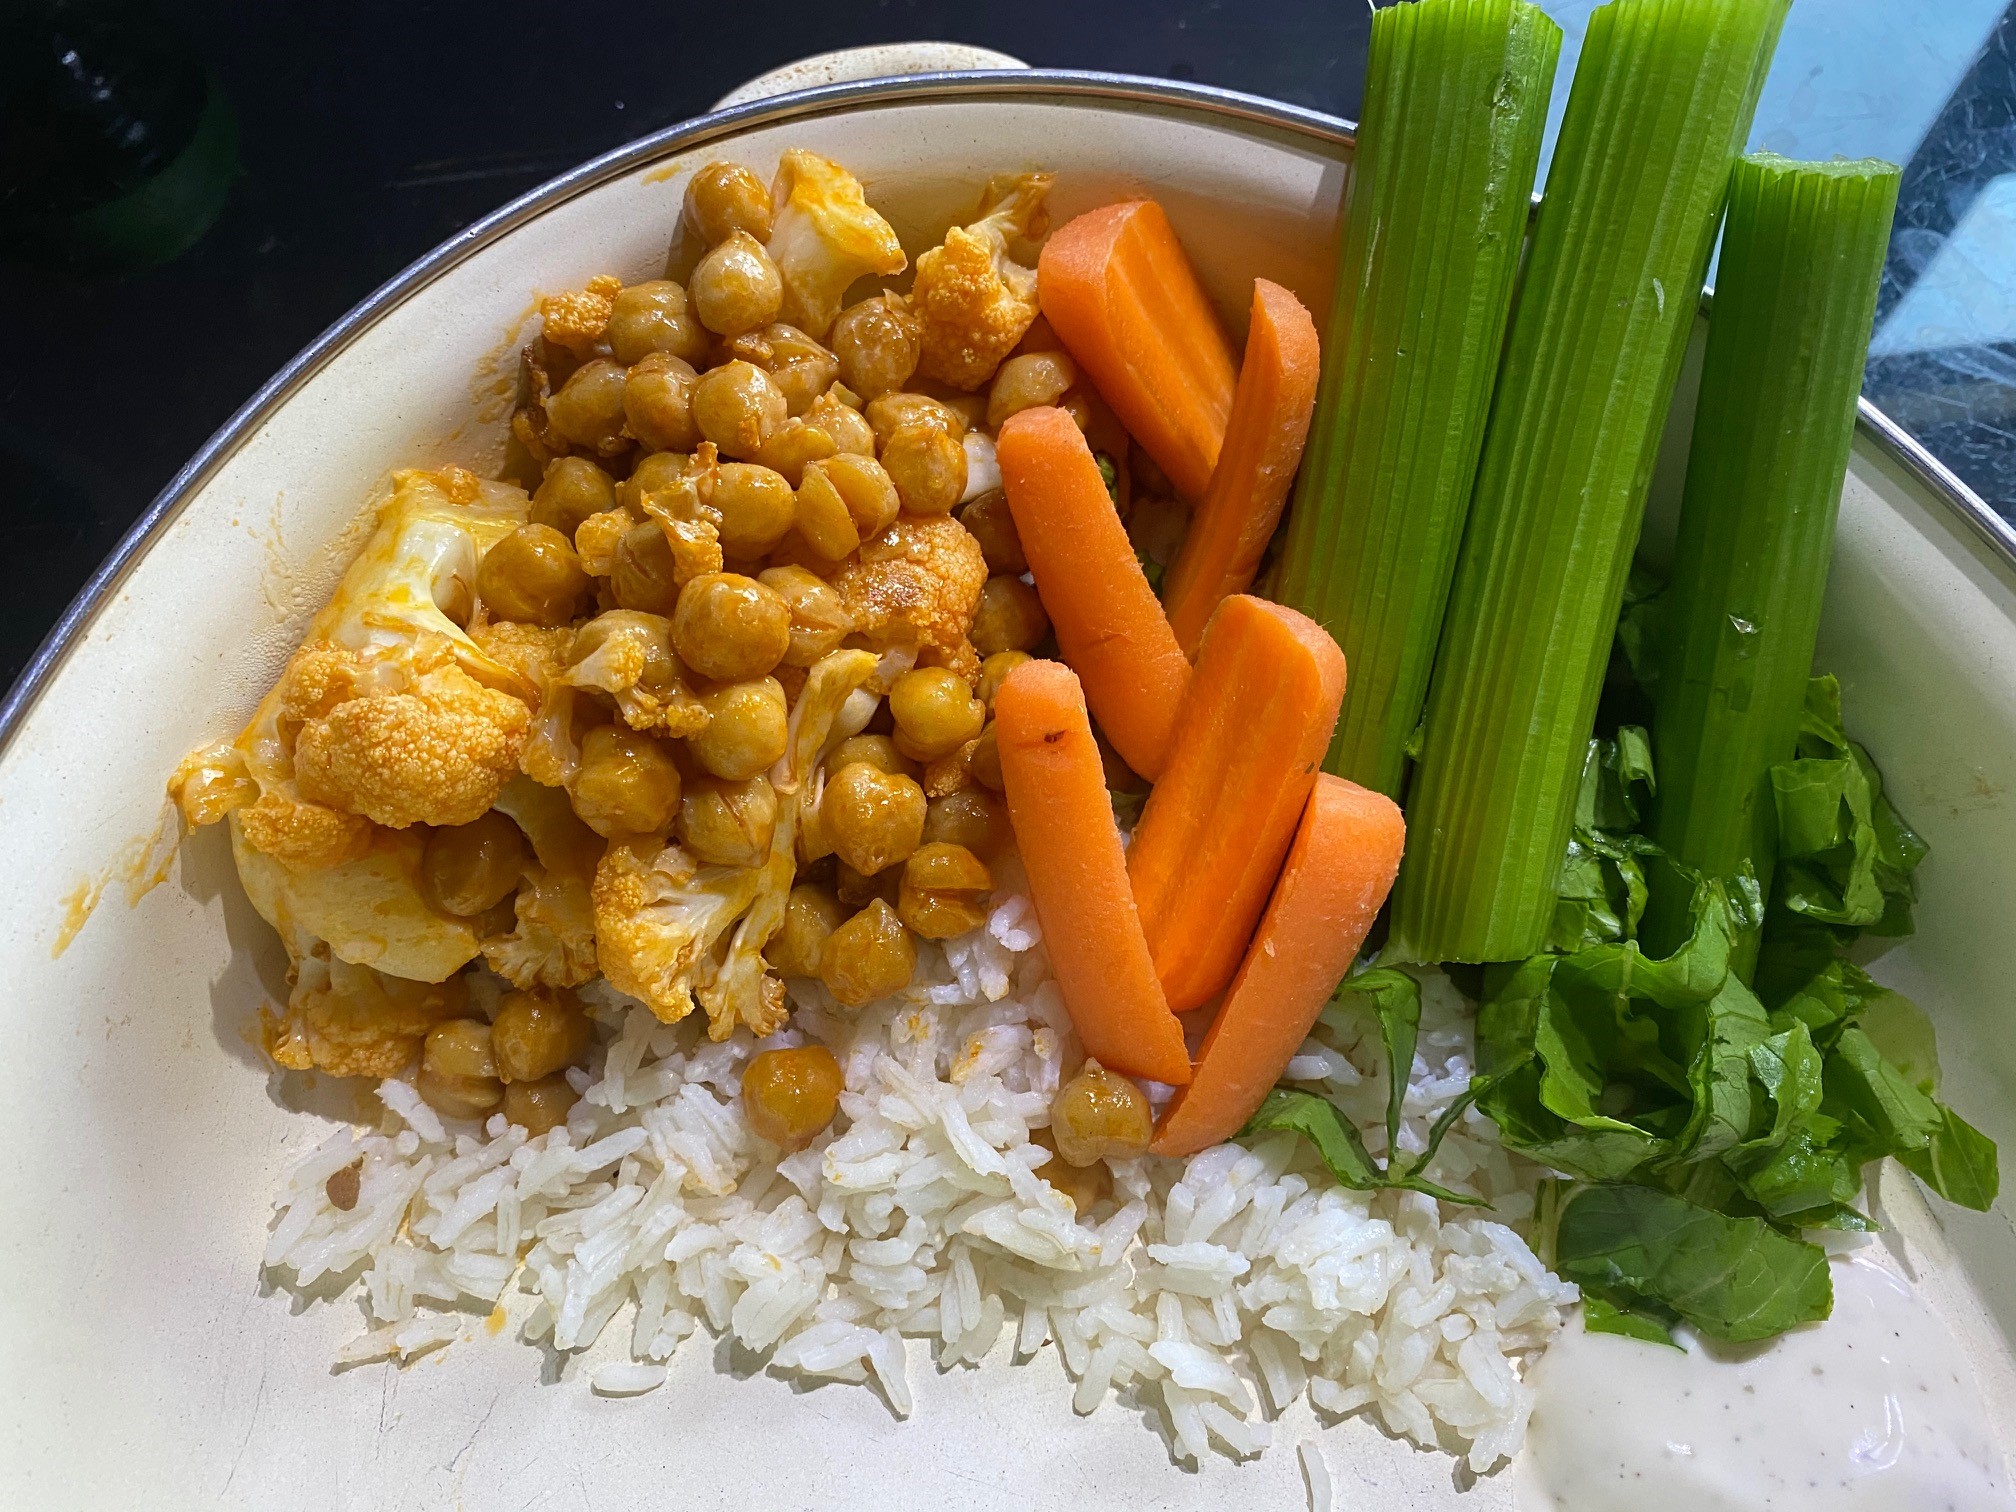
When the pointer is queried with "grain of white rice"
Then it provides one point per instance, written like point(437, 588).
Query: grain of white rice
point(1317, 1474)
point(1221, 1288)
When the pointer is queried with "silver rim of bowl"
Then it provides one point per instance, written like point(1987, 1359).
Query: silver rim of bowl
point(1292, 121)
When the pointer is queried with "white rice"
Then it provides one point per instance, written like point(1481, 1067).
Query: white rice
point(1221, 1288)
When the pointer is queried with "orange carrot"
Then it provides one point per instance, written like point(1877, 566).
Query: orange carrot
point(1263, 447)
point(1127, 304)
point(1070, 845)
point(1109, 623)
point(1250, 738)
point(1337, 875)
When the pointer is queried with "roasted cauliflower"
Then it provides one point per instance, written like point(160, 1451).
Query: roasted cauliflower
point(915, 585)
point(976, 293)
point(825, 237)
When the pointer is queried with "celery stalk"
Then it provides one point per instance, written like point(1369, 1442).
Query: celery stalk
point(1795, 297)
point(1660, 107)
point(1456, 98)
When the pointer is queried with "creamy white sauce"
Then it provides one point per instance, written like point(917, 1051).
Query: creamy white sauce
point(1875, 1410)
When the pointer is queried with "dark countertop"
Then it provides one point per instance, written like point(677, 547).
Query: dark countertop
point(365, 134)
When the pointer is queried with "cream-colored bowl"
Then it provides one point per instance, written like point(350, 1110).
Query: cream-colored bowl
point(144, 1362)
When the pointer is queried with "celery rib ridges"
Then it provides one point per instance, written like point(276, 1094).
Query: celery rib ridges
point(1456, 96)
point(1660, 107)
point(1795, 297)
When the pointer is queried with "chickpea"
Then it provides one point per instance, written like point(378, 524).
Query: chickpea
point(1098, 1115)
point(928, 467)
point(628, 784)
point(971, 817)
point(737, 406)
point(945, 891)
point(599, 538)
point(728, 823)
point(755, 506)
point(458, 1096)
point(819, 618)
point(970, 408)
point(868, 957)
point(859, 889)
point(1009, 617)
point(798, 364)
point(1028, 381)
point(824, 521)
point(573, 489)
point(458, 1072)
point(994, 672)
point(988, 521)
point(532, 576)
point(877, 342)
point(888, 413)
point(724, 198)
point(868, 491)
point(848, 427)
point(730, 627)
point(747, 729)
point(538, 1107)
point(792, 447)
point(1081, 1186)
point(810, 916)
point(788, 1096)
point(983, 763)
point(736, 287)
point(645, 574)
point(655, 316)
point(467, 869)
point(534, 1035)
point(935, 712)
point(655, 472)
point(588, 409)
point(658, 402)
point(874, 819)
point(879, 751)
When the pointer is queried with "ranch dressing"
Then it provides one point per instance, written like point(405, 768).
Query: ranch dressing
point(1875, 1410)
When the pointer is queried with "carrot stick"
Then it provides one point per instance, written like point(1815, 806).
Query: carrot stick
point(1251, 736)
point(1109, 623)
point(1070, 847)
point(1263, 446)
point(1337, 875)
point(1127, 304)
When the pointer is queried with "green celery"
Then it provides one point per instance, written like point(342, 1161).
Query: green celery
point(1795, 298)
point(1661, 104)
point(1456, 96)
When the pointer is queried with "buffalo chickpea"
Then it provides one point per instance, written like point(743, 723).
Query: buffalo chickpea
point(467, 869)
point(879, 751)
point(737, 406)
point(723, 198)
point(736, 286)
point(532, 576)
point(539, 1107)
point(973, 818)
point(928, 467)
point(848, 427)
point(877, 342)
point(811, 914)
point(535, 1035)
point(655, 316)
point(658, 403)
point(983, 762)
point(868, 957)
point(572, 489)
point(874, 819)
point(755, 505)
point(823, 520)
point(645, 575)
point(988, 521)
point(458, 1096)
point(944, 891)
point(994, 672)
point(458, 1071)
point(628, 782)
point(728, 823)
point(730, 627)
point(1098, 1115)
point(935, 712)
point(859, 889)
point(1009, 617)
point(796, 363)
point(1028, 381)
point(792, 447)
point(819, 617)
point(868, 491)
point(747, 729)
point(788, 1096)
point(588, 409)
point(653, 473)
point(888, 413)
point(1082, 1186)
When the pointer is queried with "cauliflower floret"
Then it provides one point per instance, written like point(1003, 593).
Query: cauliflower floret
point(825, 237)
point(976, 300)
point(915, 585)
point(628, 655)
point(532, 651)
point(577, 320)
point(554, 942)
point(352, 1021)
